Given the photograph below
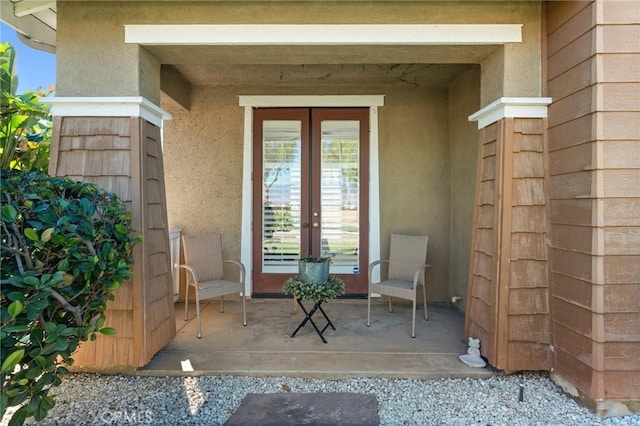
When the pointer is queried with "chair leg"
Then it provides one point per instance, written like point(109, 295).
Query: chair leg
point(424, 297)
point(368, 307)
point(198, 315)
point(244, 310)
point(413, 326)
point(390, 307)
point(221, 304)
point(186, 301)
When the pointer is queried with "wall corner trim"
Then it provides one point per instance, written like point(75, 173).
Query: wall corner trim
point(125, 106)
point(511, 107)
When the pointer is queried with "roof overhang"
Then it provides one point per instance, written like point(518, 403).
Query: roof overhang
point(34, 20)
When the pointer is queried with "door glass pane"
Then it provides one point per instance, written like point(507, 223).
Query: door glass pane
point(340, 189)
point(281, 192)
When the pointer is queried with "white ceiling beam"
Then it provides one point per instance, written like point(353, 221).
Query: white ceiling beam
point(24, 8)
point(313, 34)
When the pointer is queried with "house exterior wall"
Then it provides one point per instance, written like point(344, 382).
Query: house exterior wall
point(594, 164)
point(570, 304)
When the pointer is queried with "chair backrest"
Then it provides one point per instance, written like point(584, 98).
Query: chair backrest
point(204, 254)
point(408, 253)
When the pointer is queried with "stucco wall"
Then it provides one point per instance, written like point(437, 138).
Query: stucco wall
point(94, 61)
point(464, 100)
point(414, 176)
point(203, 166)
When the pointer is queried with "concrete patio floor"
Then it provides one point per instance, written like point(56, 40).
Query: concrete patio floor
point(264, 347)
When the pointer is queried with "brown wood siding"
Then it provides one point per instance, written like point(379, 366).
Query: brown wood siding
point(121, 154)
point(528, 297)
point(481, 323)
point(509, 303)
point(594, 166)
point(160, 322)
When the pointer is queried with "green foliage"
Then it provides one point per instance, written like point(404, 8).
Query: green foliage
point(25, 123)
point(65, 247)
point(332, 289)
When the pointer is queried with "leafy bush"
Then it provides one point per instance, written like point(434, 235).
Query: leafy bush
point(332, 289)
point(65, 247)
point(25, 123)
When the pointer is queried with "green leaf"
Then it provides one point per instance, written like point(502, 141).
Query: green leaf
point(47, 234)
point(31, 280)
point(40, 361)
point(9, 212)
point(108, 331)
point(18, 417)
point(31, 234)
point(15, 308)
point(11, 361)
point(121, 229)
point(33, 372)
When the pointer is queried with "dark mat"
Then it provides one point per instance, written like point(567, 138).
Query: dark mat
point(337, 408)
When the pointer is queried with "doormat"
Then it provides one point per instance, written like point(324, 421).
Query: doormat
point(336, 408)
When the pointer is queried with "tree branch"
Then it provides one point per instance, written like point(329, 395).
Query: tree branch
point(73, 309)
point(23, 245)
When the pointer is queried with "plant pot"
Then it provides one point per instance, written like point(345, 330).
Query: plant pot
point(316, 271)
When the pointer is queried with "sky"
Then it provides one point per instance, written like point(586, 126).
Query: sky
point(35, 68)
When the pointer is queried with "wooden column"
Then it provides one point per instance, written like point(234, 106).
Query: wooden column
point(123, 155)
point(508, 288)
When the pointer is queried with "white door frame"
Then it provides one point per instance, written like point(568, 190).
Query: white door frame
point(281, 101)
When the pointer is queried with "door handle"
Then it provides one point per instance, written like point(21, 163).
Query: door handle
point(305, 224)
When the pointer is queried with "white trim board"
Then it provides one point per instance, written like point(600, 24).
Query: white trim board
point(304, 101)
point(250, 102)
point(126, 106)
point(325, 34)
point(511, 107)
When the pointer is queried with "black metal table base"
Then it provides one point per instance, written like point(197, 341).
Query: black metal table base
point(308, 318)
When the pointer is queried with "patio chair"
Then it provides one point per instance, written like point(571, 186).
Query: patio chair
point(203, 261)
point(406, 271)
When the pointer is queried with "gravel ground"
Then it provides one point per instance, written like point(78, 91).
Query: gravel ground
point(88, 399)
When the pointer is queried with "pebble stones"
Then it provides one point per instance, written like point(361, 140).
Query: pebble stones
point(210, 400)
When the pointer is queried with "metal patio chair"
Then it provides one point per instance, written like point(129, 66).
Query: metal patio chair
point(406, 271)
point(204, 262)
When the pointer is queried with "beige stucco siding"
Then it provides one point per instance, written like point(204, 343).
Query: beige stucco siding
point(203, 165)
point(99, 63)
point(464, 98)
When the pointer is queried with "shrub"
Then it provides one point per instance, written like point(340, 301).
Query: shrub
point(65, 247)
point(25, 123)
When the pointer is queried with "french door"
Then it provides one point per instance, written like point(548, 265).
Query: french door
point(310, 194)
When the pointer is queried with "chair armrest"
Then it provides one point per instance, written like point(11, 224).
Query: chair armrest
point(417, 275)
point(239, 265)
point(373, 265)
point(193, 272)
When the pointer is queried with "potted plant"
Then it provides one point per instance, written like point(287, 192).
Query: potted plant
point(314, 269)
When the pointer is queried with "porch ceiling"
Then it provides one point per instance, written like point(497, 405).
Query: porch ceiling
point(310, 65)
point(412, 75)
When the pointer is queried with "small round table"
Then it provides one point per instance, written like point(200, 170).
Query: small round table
point(318, 293)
